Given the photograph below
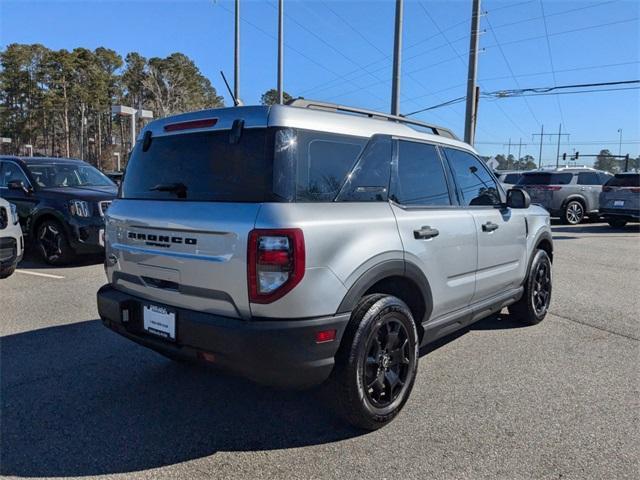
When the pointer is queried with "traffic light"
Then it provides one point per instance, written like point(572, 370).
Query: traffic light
point(577, 155)
point(564, 156)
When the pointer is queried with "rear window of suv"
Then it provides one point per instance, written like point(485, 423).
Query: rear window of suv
point(544, 178)
point(266, 164)
point(628, 180)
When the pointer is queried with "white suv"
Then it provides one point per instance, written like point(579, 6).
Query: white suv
point(311, 242)
point(11, 241)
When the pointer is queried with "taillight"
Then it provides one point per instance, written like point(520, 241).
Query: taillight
point(275, 263)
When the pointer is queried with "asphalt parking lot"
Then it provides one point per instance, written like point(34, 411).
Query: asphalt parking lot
point(557, 400)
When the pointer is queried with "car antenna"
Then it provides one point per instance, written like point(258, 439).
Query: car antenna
point(236, 101)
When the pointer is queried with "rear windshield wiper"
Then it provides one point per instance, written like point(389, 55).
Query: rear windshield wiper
point(180, 189)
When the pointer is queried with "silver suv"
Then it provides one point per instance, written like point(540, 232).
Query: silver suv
point(300, 244)
point(570, 193)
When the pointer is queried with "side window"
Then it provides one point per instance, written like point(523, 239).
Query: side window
point(369, 180)
point(420, 178)
point(477, 186)
point(589, 178)
point(604, 178)
point(10, 171)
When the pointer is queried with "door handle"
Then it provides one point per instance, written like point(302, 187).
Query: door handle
point(489, 227)
point(426, 232)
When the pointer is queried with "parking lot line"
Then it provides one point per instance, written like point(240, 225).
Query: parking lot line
point(38, 274)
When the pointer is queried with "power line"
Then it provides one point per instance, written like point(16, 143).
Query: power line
point(553, 70)
point(513, 75)
point(538, 91)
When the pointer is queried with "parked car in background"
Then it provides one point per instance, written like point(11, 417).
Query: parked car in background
point(115, 177)
point(11, 241)
point(620, 199)
point(311, 242)
point(509, 178)
point(570, 193)
point(60, 202)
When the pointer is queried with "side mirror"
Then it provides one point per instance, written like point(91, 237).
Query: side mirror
point(517, 198)
point(18, 185)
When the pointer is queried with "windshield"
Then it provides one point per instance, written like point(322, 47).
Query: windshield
point(49, 175)
point(545, 179)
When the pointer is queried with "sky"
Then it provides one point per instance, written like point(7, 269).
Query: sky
point(341, 51)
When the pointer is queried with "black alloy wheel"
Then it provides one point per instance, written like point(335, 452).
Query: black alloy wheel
point(387, 363)
point(52, 243)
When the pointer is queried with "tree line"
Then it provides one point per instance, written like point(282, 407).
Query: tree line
point(59, 101)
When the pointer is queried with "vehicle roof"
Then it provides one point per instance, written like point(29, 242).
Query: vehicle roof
point(303, 118)
point(504, 172)
point(29, 160)
point(564, 170)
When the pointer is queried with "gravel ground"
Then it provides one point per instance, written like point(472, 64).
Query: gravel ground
point(557, 400)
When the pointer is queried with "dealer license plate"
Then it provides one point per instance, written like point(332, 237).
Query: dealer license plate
point(159, 321)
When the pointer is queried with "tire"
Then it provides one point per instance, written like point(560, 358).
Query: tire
point(7, 272)
point(377, 362)
point(573, 213)
point(52, 243)
point(616, 222)
point(534, 304)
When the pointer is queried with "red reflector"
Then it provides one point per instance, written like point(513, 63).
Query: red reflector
point(207, 357)
point(204, 123)
point(273, 257)
point(325, 336)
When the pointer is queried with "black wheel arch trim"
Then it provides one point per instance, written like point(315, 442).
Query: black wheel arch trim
point(388, 268)
point(44, 214)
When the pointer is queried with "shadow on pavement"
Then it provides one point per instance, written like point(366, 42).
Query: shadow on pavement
point(79, 400)
point(595, 228)
point(32, 260)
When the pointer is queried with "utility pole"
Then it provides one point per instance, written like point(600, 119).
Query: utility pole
point(236, 59)
point(540, 155)
point(470, 114)
point(542, 134)
point(280, 51)
point(620, 143)
point(558, 153)
point(520, 150)
point(397, 59)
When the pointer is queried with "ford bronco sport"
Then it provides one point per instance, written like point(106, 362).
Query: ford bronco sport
point(303, 243)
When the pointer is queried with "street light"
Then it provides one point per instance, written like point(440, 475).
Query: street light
point(30, 148)
point(117, 155)
point(134, 114)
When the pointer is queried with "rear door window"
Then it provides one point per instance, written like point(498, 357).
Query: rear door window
point(546, 178)
point(589, 178)
point(420, 179)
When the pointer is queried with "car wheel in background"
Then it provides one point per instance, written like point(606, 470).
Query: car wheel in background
point(573, 213)
point(534, 304)
point(616, 222)
point(377, 362)
point(52, 243)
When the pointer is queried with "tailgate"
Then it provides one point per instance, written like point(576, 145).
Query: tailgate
point(184, 254)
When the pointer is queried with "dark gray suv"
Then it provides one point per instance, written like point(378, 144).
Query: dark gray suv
point(570, 193)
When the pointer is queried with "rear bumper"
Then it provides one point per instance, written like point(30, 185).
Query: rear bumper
point(272, 352)
point(620, 213)
point(11, 250)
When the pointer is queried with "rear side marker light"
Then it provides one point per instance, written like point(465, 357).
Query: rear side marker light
point(275, 263)
point(207, 357)
point(324, 336)
point(190, 125)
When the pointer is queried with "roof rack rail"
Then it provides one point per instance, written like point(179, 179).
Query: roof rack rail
point(334, 107)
